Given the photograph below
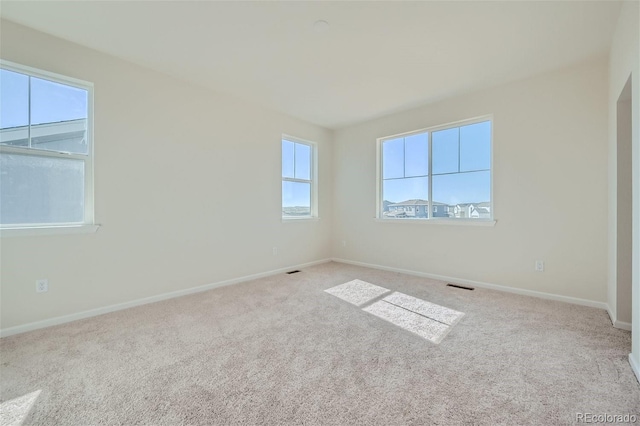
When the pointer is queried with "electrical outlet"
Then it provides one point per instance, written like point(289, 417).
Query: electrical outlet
point(344, 243)
point(42, 285)
point(275, 251)
point(539, 266)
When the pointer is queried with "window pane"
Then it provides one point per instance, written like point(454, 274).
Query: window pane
point(445, 151)
point(303, 161)
point(287, 159)
point(475, 147)
point(41, 190)
point(466, 194)
point(296, 199)
point(405, 197)
point(14, 108)
point(393, 158)
point(58, 117)
point(416, 155)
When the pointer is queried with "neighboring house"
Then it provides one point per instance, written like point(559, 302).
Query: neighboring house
point(409, 208)
point(472, 210)
point(417, 209)
point(462, 210)
point(440, 209)
point(61, 136)
point(482, 210)
point(480, 213)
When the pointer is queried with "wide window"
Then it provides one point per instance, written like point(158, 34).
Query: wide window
point(442, 172)
point(298, 179)
point(45, 149)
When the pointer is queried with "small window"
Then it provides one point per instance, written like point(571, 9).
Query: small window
point(447, 167)
point(45, 149)
point(298, 179)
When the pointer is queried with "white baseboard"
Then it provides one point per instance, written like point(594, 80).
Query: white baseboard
point(612, 317)
point(164, 296)
point(520, 291)
point(622, 325)
point(618, 324)
point(634, 366)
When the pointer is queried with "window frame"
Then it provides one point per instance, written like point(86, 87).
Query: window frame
point(88, 224)
point(313, 181)
point(379, 209)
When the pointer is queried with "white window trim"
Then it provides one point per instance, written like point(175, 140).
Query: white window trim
point(440, 221)
point(432, 220)
point(88, 225)
point(314, 217)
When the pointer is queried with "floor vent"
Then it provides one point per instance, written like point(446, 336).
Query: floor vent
point(459, 286)
point(293, 272)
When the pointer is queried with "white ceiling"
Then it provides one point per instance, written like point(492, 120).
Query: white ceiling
point(376, 57)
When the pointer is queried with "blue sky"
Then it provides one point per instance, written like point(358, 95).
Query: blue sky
point(50, 102)
point(461, 163)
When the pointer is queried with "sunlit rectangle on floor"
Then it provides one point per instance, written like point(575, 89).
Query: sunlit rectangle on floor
point(424, 327)
point(357, 292)
point(427, 309)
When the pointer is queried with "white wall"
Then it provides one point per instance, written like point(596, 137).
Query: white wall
point(187, 186)
point(550, 189)
point(624, 61)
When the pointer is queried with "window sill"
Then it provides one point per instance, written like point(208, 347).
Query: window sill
point(454, 222)
point(48, 230)
point(300, 219)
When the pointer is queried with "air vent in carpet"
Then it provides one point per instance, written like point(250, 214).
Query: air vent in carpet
point(459, 286)
point(293, 272)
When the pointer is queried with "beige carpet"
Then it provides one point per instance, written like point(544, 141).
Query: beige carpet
point(282, 350)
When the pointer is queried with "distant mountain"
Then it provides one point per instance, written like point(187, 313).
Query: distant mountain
point(296, 211)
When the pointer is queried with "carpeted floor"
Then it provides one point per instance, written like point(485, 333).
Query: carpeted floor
point(282, 350)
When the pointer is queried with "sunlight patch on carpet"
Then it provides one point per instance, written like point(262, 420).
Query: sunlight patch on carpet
point(15, 411)
point(431, 310)
point(427, 320)
point(357, 292)
point(424, 327)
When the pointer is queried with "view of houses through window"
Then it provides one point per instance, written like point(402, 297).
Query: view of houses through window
point(449, 165)
point(45, 155)
point(419, 209)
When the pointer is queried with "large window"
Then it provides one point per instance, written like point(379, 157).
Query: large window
point(442, 172)
point(46, 176)
point(298, 179)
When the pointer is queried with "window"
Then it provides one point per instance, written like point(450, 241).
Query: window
point(447, 168)
point(298, 179)
point(46, 162)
